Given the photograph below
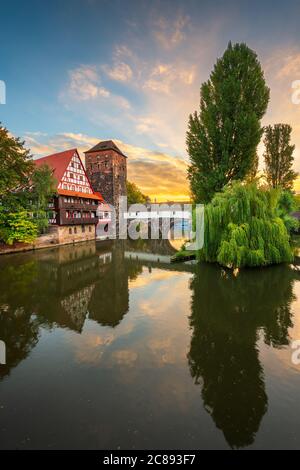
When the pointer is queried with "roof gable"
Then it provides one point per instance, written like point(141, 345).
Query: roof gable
point(69, 172)
point(58, 161)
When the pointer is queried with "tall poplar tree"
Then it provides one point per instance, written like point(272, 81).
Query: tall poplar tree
point(278, 156)
point(222, 138)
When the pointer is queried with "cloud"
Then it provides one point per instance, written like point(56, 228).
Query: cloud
point(84, 84)
point(170, 34)
point(290, 67)
point(164, 76)
point(37, 148)
point(120, 72)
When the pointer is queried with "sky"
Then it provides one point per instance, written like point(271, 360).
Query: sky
point(77, 72)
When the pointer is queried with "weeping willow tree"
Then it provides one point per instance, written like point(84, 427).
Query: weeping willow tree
point(243, 228)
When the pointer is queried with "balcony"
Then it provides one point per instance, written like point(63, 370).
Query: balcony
point(63, 220)
point(77, 205)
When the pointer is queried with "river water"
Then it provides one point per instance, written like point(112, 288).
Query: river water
point(110, 346)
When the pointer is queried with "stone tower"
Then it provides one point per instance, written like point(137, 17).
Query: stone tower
point(106, 167)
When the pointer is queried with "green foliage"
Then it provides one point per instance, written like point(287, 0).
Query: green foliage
point(15, 163)
point(243, 228)
point(25, 191)
point(183, 255)
point(135, 195)
point(17, 227)
point(297, 201)
point(43, 188)
point(222, 138)
point(278, 156)
point(287, 203)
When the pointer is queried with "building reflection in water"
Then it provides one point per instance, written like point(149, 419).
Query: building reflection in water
point(60, 287)
point(229, 316)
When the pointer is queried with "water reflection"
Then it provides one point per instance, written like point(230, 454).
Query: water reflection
point(125, 326)
point(229, 315)
point(60, 287)
point(65, 286)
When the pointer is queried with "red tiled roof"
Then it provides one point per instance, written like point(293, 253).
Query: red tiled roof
point(58, 161)
point(67, 192)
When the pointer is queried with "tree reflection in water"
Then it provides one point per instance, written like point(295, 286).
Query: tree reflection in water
point(229, 315)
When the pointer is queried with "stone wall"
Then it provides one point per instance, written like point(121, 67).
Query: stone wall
point(57, 235)
point(76, 233)
point(107, 171)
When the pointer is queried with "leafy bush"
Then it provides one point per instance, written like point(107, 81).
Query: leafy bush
point(17, 227)
point(288, 203)
point(244, 226)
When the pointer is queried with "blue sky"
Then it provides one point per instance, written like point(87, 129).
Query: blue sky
point(81, 71)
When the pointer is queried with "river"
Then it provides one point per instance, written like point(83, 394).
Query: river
point(110, 346)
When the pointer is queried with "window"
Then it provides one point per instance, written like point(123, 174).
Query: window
point(65, 186)
point(90, 229)
point(75, 229)
point(83, 228)
point(73, 187)
point(70, 230)
point(72, 164)
point(71, 175)
point(81, 178)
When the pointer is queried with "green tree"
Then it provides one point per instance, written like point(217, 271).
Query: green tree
point(222, 138)
point(244, 226)
point(43, 187)
point(25, 191)
point(15, 163)
point(135, 195)
point(17, 227)
point(278, 156)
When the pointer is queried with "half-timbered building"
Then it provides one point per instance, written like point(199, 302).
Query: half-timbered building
point(74, 208)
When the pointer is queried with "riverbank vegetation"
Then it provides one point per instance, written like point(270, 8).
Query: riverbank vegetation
point(247, 218)
point(244, 226)
point(135, 195)
point(24, 192)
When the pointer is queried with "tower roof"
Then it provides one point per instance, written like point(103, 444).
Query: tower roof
point(106, 145)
